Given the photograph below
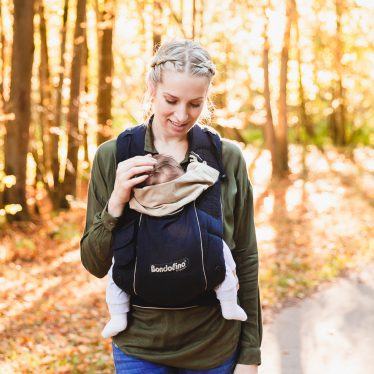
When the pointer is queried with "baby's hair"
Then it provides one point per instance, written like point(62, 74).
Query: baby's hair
point(166, 169)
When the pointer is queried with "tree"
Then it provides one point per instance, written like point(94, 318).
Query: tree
point(72, 126)
point(46, 104)
point(339, 94)
point(269, 132)
point(105, 65)
point(305, 122)
point(178, 18)
point(86, 80)
point(157, 26)
point(17, 129)
point(56, 129)
point(2, 60)
point(282, 130)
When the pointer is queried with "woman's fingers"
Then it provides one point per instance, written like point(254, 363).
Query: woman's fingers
point(136, 180)
point(136, 161)
point(130, 173)
point(135, 171)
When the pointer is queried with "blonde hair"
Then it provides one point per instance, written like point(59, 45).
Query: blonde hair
point(183, 56)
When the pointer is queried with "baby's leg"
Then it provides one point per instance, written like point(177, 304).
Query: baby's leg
point(227, 291)
point(118, 304)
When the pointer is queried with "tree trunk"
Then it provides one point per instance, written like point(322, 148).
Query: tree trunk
point(86, 80)
point(269, 132)
point(333, 127)
point(178, 18)
point(56, 130)
point(17, 136)
point(304, 117)
point(157, 27)
point(141, 14)
point(2, 98)
point(2, 61)
point(46, 112)
point(85, 165)
point(70, 180)
point(197, 19)
point(39, 168)
point(104, 95)
point(282, 133)
point(193, 19)
point(340, 92)
point(201, 30)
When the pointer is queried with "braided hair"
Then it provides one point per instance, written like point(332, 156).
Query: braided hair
point(181, 56)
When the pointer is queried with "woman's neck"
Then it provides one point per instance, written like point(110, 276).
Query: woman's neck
point(175, 146)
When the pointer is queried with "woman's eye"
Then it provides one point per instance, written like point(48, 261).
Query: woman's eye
point(195, 105)
point(171, 102)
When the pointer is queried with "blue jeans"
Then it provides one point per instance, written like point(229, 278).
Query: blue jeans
point(126, 364)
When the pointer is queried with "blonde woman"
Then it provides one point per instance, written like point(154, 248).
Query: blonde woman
point(190, 336)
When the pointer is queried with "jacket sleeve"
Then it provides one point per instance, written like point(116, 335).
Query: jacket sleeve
point(95, 244)
point(246, 258)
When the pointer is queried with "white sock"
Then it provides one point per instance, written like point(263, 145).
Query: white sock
point(231, 310)
point(117, 323)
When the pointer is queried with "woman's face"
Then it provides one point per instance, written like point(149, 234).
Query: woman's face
point(178, 102)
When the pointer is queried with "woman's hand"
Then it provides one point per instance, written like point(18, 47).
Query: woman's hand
point(246, 369)
point(129, 173)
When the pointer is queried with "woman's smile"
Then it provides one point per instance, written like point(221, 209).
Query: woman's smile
point(177, 125)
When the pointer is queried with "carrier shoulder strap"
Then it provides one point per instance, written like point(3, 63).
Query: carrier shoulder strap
point(206, 142)
point(130, 143)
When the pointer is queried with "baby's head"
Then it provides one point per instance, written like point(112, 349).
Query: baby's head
point(165, 170)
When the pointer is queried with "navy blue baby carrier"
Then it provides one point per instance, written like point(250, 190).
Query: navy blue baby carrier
point(174, 261)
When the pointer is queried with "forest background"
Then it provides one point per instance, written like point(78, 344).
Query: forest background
point(294, 88)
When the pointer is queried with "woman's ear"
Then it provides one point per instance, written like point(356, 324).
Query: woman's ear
point(151, 89)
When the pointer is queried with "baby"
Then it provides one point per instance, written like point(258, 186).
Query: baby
point(166, 170)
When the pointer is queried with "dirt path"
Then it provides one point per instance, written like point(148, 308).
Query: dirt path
point(332, 332)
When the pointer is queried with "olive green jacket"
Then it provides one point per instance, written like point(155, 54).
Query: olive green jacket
point(196, 338)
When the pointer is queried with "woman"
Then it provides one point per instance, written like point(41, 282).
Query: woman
point(198, 339)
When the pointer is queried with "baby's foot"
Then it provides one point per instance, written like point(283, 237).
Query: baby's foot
point(117, 323)
point(231, 310)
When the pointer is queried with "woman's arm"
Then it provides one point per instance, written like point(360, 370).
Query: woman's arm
point(108, 193)
point(96, 254)
point(246, 257)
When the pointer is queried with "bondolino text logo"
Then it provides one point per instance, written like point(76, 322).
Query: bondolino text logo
point(177, 265)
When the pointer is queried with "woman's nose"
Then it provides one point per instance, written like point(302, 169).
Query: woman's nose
point(181, 115)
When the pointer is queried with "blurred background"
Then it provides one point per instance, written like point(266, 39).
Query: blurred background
point(294, 87)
